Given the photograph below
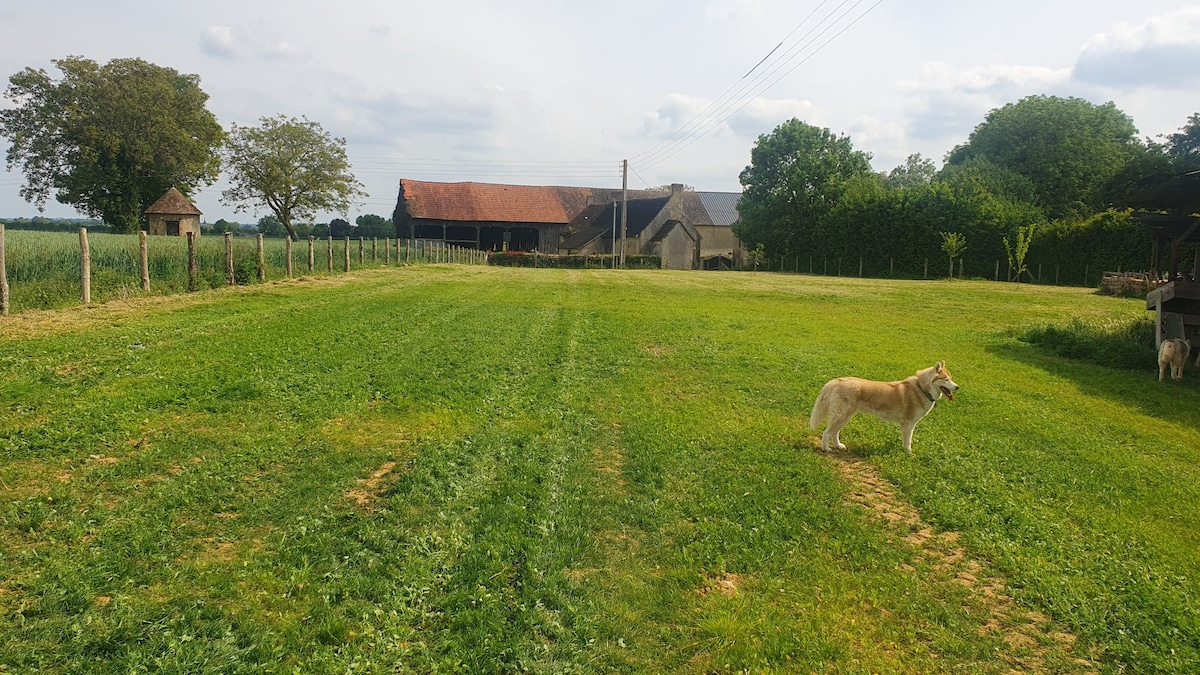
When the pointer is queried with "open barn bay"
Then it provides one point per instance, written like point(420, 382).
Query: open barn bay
point(486, 469)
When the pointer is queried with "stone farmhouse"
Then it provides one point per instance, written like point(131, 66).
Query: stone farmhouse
point(687, 230)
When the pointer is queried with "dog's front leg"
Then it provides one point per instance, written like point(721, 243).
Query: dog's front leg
point(906, 432)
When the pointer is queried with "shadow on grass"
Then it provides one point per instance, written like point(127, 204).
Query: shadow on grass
point(1135, 389)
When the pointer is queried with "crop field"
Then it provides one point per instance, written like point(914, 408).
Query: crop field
point(447, 468)
point(43, 268)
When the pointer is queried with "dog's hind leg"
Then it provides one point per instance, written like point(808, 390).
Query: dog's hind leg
point(838, 417)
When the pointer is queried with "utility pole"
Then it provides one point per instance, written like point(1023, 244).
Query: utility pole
point(624, 205)
point(614, 240)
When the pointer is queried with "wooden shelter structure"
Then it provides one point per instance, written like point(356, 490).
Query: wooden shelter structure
point(1176, 300)
point(1170, 205)
point(173, 215)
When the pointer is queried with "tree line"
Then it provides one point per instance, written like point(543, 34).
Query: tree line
point(110, 139)
point(1045, 182)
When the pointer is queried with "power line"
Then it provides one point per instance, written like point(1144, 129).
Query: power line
point(701, 125)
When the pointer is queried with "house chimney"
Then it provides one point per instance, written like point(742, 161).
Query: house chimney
point(676, 189)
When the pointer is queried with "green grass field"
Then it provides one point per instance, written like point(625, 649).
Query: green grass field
point(478, 469)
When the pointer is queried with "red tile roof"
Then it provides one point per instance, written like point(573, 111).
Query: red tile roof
point(490, 202)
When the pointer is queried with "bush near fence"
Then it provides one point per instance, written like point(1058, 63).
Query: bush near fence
point(529, 259)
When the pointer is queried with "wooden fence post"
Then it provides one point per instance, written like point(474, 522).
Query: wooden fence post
point(860, 261)
point(229, 259)
point(262, 261)
point(193, 284)
point(997, 271)
point(1085, 275)
point(311, 258)
point(374, 250)
point(346, 255)
point(926, 275)
point(288, 248)
point(891, 267)
point(329, 254)
point(960, 268)
point(387, 250)
point(85, 267)
point(144, 260)
point(3, 276)
point(360, 250)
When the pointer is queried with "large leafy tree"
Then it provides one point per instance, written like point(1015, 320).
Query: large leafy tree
point(109, 140)
point(914, 172)
point(293, 167)
point(796, 176)
point(1068, 147)
point(1186, 141)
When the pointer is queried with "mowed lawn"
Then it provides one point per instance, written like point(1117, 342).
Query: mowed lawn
point(471, 469)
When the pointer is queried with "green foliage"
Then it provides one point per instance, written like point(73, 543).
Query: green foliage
point(1116, 343)
point(1068, 148)
point(526, 259)
point(1108, 241)
point(293, 167)
point(796, 177)
point(270, 226)
point(110, 140)
point(1017, 252)
point(953, 245)
point(371, 225)
point(1186, 141)
point(915, 171)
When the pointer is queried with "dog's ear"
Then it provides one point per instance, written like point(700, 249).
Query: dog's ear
point(938, 368)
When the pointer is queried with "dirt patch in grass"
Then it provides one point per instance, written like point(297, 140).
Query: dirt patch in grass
point(725, 584)
point(368, 488)
point(1035, 644)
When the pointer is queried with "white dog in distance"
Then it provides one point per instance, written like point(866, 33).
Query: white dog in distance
point(1173, 353)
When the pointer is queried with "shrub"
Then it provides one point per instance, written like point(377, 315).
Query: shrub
point(1117, 343)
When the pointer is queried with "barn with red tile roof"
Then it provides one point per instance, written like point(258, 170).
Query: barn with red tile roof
point(553, 219)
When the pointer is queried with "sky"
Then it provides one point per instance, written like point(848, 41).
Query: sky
point(554, 92)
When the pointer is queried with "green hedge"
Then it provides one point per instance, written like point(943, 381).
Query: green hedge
point(525, 259)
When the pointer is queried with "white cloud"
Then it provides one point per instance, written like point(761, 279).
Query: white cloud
point(947, 102)
point(1162, 52)
point(227, 42)
point(218, 42)
point(732, 9)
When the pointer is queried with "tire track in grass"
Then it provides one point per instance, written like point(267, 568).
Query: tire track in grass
point(1033, 642)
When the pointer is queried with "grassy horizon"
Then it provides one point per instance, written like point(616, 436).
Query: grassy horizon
point(451, 468)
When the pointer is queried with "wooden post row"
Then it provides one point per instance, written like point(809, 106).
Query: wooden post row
point(3, 277)
point(193, 282)
point(229, 259)
point(262, 261)
point(85, 267)
point(144, 260)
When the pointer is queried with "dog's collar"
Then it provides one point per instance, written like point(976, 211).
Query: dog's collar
point(931, 399)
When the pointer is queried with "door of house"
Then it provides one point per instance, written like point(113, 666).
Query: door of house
point(173, 228)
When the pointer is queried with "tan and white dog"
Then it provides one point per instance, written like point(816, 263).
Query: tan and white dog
point(1173, 353)
point(905, 401)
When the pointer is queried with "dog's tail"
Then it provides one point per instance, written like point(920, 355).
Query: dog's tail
point(820, 408)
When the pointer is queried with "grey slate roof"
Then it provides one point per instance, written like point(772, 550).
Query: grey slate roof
point(721, 206)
